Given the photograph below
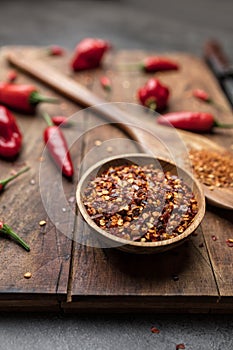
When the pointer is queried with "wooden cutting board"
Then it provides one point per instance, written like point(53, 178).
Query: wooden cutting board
point(74, 277)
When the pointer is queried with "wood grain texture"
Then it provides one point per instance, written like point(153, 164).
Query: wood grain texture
point(120, 280)
point(106, 278)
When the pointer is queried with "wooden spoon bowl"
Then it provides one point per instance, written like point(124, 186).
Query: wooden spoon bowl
point(132, 246)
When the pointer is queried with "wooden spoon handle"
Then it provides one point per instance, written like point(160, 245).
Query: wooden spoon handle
point(76, 92)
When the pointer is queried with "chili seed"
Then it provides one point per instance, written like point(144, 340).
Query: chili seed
point(98, 143)
point(180, 346)
point(27, 275)
point(42, 223)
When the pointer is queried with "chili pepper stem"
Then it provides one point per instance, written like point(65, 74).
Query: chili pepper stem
point(8, 231)
point(10, 178)
point(220, 125)
point(48, 119)
point(131, 66)
point(36, 97)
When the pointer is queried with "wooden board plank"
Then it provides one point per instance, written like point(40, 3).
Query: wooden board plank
point(112, 275)
point(22, 208)
point(107, 278)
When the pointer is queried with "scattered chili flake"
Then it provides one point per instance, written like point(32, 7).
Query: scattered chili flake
point(27, 275)
point(56, 50)
point(180, 346)
point(11, 76)
point(201, 245)
point(154, 330)
point(214, 238)
point(42, 223)
point(229, 242)
point(212, 168)
point(140, 203)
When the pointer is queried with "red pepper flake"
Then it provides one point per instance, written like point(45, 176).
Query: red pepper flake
point(11, 76)
point(229, 242)
point(214, 238)
point(155, 330)
point(201, 245)
point(180, 346)
point(56, 50)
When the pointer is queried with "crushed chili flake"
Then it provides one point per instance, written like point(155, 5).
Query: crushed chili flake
point(229, 242)
point(214, 238)
point(201, 245)
point(213, 169)
point(180, 346)
point(140, 203)
point(154, 330)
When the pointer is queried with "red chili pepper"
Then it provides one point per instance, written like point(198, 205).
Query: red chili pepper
point(89, 53)
point(201, 95)
point(154, 95)
point(57, 147)
point(106, 83)
point(204, 96)
point(7, 230)
point(157, 64)
point(56, 50)
point(11, 76)
point(23, 98)
point(61, 120)
point(192, 121)
point(10, 135)
point(4, 182)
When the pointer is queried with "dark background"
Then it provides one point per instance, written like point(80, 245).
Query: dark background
point(175, 25)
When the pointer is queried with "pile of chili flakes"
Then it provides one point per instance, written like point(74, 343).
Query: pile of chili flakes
point(214, 169)
point(140, 203)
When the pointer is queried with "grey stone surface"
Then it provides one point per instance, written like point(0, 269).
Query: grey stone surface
point(181, 25)
point(116, 332)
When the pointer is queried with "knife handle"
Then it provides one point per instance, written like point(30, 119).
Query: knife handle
point(217, 59)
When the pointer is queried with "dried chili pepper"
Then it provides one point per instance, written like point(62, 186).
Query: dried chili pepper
point(57, 147)
point(192, 121)
point(106, 83)
point(61, 120)
point(10, 135)
point(153, 95)
point(11, 76)
point(22, 97)
point(4, 182)
point(7, 230)
point(56, 50)
point(201, 95)
point(89, 53)
point(157, 64)
point(205, 97)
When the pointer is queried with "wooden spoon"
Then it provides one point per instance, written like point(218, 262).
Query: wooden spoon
point(36, 67)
